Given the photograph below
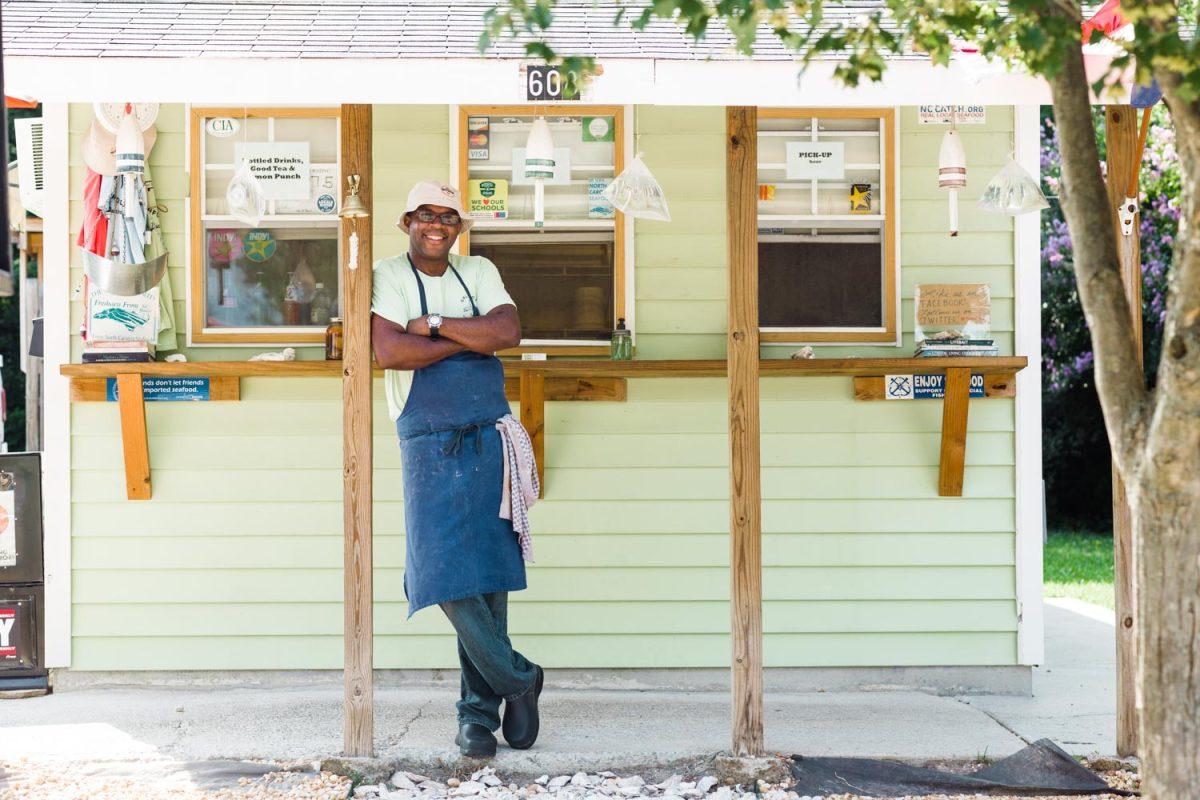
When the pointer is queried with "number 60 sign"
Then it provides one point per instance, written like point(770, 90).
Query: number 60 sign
point(544, 82)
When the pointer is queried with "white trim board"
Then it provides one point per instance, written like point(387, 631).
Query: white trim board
point(222, 81)
point(56, 456)
point(1028, 335)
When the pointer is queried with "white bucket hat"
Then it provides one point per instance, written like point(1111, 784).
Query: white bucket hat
point(433, 193)
point(99, 148)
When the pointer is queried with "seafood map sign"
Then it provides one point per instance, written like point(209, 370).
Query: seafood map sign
point(166, 389)
point(115, 318)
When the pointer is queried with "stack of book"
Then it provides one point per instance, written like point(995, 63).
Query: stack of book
point(948, 348)
point(101, 352)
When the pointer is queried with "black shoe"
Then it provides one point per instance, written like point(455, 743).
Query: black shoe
point(475, 740)
point(520, 724)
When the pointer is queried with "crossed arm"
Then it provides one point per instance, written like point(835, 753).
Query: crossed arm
point(409, 346)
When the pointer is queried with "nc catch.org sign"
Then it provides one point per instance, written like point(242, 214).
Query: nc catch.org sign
point(923, 387)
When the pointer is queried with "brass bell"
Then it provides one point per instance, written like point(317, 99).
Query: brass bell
point(352, 206)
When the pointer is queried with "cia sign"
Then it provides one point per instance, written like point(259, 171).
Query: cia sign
point(222, 127)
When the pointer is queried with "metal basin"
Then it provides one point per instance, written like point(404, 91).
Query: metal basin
point(116, 277)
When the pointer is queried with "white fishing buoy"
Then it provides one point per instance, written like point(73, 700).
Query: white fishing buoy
point(539, 165)
point(952, 172)
point(130, 157)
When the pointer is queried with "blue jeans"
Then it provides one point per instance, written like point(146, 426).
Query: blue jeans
point(491, 669)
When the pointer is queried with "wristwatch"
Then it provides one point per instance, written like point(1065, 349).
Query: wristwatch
point(435, 325)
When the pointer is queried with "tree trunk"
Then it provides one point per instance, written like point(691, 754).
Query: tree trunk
point(1168, 506)
point(1155, 437)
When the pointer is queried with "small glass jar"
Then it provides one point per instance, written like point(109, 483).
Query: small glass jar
point(622, 342)
point(333, 340)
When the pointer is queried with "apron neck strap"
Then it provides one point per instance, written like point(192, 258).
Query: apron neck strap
point(421, 287)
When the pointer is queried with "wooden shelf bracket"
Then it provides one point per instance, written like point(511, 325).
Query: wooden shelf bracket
point(954, 432)
point(133, 436)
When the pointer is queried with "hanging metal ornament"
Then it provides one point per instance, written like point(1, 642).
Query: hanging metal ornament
point(952, 172)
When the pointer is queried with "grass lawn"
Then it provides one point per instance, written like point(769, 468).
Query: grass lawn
point(1080, 565)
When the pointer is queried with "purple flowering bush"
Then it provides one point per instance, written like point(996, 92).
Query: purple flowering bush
point(1075, 446)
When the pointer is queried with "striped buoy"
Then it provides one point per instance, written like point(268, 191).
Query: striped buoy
point(952, 172)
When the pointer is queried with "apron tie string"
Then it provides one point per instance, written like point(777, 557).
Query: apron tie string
point(459, 435)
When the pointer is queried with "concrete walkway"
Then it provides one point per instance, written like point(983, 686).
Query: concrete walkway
point(584, 730)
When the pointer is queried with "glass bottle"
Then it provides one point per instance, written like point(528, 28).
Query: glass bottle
point(322, 306)
point(333, 340)
point(622, 342)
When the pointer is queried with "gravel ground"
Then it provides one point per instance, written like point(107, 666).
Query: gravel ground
point(55, 781)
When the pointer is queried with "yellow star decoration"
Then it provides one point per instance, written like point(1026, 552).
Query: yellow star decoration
point(259, 249)
point(860, 199)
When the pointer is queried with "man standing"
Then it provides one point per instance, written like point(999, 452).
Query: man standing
point(437, 320)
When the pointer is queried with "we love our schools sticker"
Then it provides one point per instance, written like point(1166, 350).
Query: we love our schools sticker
point(923, 387)
point(166, 389)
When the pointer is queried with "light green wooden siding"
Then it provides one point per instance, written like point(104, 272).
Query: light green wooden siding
point(236, 562)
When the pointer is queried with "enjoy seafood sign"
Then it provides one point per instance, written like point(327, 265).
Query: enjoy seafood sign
point(923, 387)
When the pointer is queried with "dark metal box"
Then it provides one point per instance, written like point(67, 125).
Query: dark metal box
point(20, 518)
point(22, 633)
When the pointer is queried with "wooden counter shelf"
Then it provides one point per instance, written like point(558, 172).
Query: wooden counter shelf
point(535, 382)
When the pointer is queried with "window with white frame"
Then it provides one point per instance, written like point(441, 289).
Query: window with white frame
point(276, 281)
point(566, 273)
point(827, 225)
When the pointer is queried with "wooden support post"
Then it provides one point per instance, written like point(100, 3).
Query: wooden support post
point(133, 436)
point(954, 432)
point(533, 417)
point(358, 631)
point(745, 502)
point(1123, 154)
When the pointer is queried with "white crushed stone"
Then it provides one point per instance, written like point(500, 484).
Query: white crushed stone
point(45, 781)
point(32, 780)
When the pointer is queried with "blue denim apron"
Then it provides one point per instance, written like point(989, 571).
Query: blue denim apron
point(457, 544)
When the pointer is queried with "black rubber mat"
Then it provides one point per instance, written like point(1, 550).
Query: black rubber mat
point(1039, 769)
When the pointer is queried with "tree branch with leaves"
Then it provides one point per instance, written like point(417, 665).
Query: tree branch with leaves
point(1154, 434)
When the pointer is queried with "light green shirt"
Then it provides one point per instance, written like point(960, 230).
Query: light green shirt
point(395, 297)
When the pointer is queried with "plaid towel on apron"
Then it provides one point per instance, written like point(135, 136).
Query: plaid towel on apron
point(521, 486)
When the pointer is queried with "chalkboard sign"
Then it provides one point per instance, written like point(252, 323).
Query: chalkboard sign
point(819, 285)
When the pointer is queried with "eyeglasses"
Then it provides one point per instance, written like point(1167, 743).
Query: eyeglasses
point(449, 219)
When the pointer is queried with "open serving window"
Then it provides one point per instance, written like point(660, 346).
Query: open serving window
point(277, 281)
point(566, 273)
point(827, 225)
